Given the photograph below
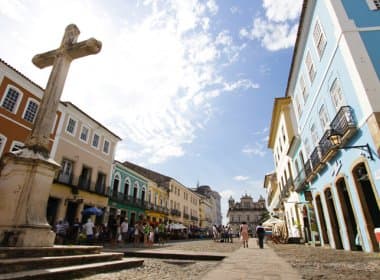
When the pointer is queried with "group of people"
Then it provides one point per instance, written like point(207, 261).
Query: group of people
point(222, 233)
point(116, 230)
point(244, 235)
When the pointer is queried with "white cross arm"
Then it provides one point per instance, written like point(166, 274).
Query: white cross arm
point(77, 50)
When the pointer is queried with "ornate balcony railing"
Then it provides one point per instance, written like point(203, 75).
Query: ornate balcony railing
point(82, 184)
point(316, 159)
point(327, 148)
point(185, 216)
point(308, 170)
point(344, 123)
point(175, 212)
point(193, 218)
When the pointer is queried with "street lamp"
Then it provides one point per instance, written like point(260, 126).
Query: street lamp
point(336, 140)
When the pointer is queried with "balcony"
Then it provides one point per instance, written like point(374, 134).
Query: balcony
point(64, 178)
point(186, 216)
point(85, 185)
point(175, 212)
point(316, 160)
point(308, 171)
point(300, 182)
point(344, 123)
point(193, 218)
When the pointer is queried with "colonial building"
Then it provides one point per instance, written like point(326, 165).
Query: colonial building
point(334, 87)
point(85, 150)
point(127, 193)
point(183, 204)
point(282, 138)
point(82, 146)
point(19, 101)
point(246, 210)
point(213, 201)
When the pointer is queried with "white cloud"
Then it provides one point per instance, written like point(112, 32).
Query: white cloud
point(278, 30)
point(257, 150)
point(235, 10)
point(280, 11)
point(153, 81)
point(241, 178)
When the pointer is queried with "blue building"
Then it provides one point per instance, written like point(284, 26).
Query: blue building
point(335, 90)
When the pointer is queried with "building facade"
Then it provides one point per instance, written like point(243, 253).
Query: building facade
point(85, 150)
point(19, 102)
point(211, 199)
point(245, 210)
point(334, 86)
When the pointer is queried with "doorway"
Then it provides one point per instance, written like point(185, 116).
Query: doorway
point(348, 213)
point(322, 221)
point(335, 229)
point(51, 210)
point(368, 202)
point(71, 211)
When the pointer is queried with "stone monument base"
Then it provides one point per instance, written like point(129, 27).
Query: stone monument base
point(25, 181)
point(27, 236)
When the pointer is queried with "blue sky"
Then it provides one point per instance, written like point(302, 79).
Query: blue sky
point(189, 85)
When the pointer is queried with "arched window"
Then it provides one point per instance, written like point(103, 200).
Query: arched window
point(115, 185)
point(126, 187)
point(11, 99)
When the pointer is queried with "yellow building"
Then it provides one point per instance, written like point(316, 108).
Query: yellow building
point(156, 208)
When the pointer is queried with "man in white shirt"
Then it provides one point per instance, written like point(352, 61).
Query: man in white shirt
point(89, 230)
point(124, 230)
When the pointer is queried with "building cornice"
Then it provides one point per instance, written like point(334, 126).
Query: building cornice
point(278, 106)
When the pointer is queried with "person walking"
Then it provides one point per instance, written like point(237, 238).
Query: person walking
point(124, 230)
point(244, 234)
point(260, 232)
point(89, 230)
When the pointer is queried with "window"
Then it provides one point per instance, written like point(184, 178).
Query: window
point(106, 147)
point(85, 177)
point(283, 134)
point(16, 146)
point(84, 134)
point(126, 187)
point(11, 100)
point(100, 182)
point(95, 140)
point(314, 134)
point(115, 185)
point(298, 106)
point(336, 94)
point(319, 39)
point(323, 117)
point(65, 176)
point(310, 67)
point(3, 140)
point(71, 125)
point(31, 111)
point(307, 146)
point(304, 91)
point(373, 4)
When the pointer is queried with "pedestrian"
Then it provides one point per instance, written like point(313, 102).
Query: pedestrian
point(244, 234)
point(260, 232)
point(89, 230)
point(137, 232)
point(214, 233)
point(230, 233)
point(161, 233)
point(124, 230)
point(112, 227)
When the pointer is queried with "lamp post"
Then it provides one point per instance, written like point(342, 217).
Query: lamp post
point(336, 140)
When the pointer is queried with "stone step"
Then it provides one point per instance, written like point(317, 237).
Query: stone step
point(174, 254)
point(73, 271)
point(20, 264)
point(26, 252)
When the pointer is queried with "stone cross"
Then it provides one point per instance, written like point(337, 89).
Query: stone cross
point(38, 140)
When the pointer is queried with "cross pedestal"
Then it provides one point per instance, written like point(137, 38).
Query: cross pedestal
point(26, 176)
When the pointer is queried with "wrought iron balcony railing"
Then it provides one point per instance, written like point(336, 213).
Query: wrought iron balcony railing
point(344, 123)
point(300, 181)
point(175, 212)
point(316, 160)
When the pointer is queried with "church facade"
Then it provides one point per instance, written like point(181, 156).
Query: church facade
point(246, 210)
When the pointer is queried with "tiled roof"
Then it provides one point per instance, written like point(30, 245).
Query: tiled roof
point(150, 174)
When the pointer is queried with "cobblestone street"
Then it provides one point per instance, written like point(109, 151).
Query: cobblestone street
point(312, 263)
point(173, 269)
point(323, 263)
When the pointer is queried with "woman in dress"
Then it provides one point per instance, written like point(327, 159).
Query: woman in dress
point(244, 234)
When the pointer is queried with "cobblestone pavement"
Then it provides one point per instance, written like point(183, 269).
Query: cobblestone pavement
point(329, 264)
point(172, 269)
point(313, 263)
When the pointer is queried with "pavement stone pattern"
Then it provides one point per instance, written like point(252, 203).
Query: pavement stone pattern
point(171, 269)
